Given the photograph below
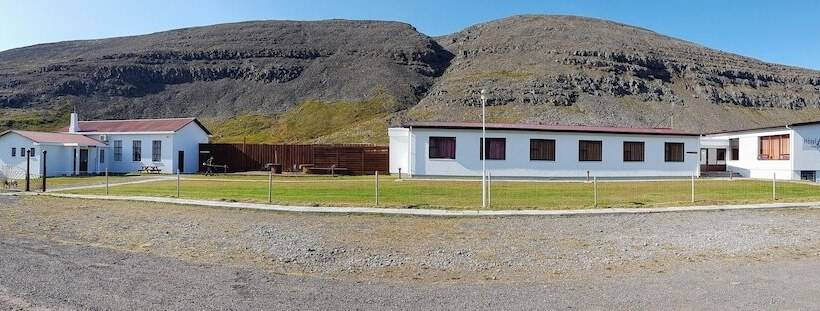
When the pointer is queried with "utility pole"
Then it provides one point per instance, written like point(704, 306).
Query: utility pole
point(483, 150)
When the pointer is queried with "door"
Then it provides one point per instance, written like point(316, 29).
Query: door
point(83, 161)
point(181, 161)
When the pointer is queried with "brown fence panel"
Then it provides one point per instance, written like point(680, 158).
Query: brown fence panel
point(356, 159)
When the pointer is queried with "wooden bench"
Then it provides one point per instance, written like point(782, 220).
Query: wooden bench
point(328, 170)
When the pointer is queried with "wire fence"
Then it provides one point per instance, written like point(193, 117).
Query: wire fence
point(401, 192)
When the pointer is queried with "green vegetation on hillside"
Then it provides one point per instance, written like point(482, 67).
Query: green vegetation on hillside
point(311, 122)
point(37, 120)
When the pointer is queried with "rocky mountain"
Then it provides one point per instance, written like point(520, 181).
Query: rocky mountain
point(536, 69)
point(565, 69)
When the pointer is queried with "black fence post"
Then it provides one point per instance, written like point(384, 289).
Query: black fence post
point(45, 171)
point(28, 170)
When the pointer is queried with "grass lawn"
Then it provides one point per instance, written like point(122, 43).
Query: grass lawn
point(72, 181)
point(360, 191)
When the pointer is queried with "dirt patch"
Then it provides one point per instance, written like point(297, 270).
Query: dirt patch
point(420, 249)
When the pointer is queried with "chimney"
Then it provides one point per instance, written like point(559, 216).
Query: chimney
point(74, 126)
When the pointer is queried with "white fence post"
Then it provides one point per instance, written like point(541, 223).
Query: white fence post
point(270, 186)
point(178, 177)
point(693, 188)
point(489, 190)
point(774, 186)
point(595, 189)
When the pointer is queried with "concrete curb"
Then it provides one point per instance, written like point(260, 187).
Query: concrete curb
point(431, 212)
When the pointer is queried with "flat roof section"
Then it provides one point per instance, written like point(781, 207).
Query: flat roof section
point(552, 128)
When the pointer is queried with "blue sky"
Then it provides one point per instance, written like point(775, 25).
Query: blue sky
point(785, 32)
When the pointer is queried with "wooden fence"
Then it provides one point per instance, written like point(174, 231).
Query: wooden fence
point(355, 159)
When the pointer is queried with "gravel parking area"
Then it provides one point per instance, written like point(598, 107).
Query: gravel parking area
point(571, 261)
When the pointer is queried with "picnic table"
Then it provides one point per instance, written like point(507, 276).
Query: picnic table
point(150, 169)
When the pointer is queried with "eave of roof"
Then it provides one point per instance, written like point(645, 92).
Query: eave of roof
point(551, 128)
point(784, 126)
point(56, 138)
point(144, 126)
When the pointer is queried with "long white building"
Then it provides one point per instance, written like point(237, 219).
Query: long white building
point(450, 149)
point(790, 151)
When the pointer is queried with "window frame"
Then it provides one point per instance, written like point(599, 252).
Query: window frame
point(550, 156)
point(667, 153)
point(101, 156)
point(117, 145)
point(136, 150)
point(770, 139)
point(642, 157)
point(489, 142)
point(13, 152)
point(582, 151)
point(439, 155)
point(734, 146)
point(156, 150)
point(720, 154)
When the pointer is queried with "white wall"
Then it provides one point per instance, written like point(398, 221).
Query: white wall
point(188, 139)
point(399, 149)
point(15, 167)
point(748, 164)
point(806, 157)
point(566, 164)
point(127, 165)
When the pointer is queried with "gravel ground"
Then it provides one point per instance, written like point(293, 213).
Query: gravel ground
point(176, 255)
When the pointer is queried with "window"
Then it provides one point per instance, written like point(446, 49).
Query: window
point(774, 147)
point(137, 150)
point(542, 149)
point(589, 150)
point(673, 152)
point(496, 149)
point(13, 152)
point(734, 144)
point(33, 152)
point(156, 150)
point(633, 151)
point(23, 152)
point(442, 148)
point(102, 156)
point(721, 154)
point(118, 150)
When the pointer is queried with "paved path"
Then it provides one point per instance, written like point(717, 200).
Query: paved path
point(432, 212)
point(114, 184)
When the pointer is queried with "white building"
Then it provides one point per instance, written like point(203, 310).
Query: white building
point(542, 151)
point(15, 146)
point(119, 146)
point(784, 152)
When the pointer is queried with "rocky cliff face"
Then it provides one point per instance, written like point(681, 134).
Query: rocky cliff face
point(539, 69)
point(253, 67)
point(564, 69)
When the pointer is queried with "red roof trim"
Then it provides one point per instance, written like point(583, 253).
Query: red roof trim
point(137, 125)
point(552, 128)
point(56, 138)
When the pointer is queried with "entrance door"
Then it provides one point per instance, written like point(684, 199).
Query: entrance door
point(181, 161)
point(83, 161)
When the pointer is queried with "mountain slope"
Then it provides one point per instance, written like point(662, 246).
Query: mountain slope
point(251, 67)
point(565, 69)
point(292, 80)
